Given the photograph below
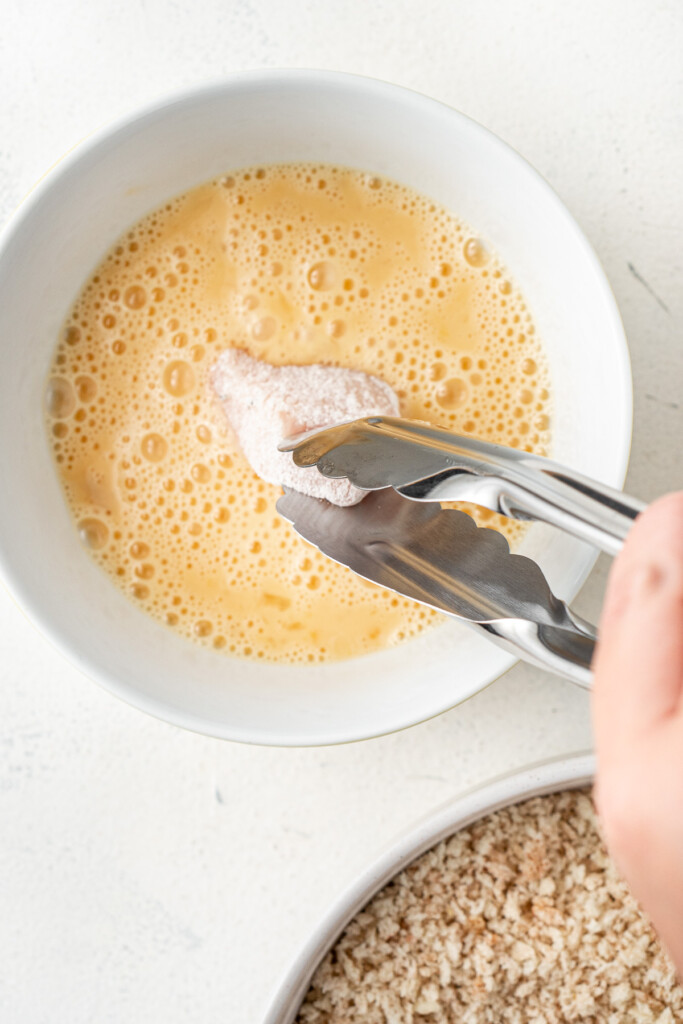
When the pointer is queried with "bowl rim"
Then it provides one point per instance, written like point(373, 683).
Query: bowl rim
point(540, 779)
point(270, 79)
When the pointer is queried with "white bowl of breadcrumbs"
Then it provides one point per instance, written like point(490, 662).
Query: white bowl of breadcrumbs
point(502, 907)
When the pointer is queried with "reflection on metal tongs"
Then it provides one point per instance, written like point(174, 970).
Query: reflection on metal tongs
point(439, 556)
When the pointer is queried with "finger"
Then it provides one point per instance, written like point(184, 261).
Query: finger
point(639, 660)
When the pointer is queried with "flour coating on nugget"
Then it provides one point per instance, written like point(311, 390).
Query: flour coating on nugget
point(265, 403)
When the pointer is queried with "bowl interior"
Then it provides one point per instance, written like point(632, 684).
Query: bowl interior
point(66, 227)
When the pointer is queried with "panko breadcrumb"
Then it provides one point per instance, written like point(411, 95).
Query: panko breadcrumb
point(521, 918)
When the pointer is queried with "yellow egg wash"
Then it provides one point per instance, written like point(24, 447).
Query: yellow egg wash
point(296, 264)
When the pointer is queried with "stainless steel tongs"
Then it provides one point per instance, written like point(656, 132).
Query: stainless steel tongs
point(439, 556)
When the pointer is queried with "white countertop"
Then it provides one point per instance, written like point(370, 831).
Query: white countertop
point(148, 874)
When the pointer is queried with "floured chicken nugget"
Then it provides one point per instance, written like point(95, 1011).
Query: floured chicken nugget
point(265, 404)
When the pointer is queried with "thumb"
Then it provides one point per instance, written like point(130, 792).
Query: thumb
point(639, 660)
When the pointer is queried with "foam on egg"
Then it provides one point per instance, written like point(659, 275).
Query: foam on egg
point(295, 264)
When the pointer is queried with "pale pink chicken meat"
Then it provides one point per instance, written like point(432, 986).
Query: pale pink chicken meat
point(265, 403)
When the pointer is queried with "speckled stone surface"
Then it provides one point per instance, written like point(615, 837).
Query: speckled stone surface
point(153, 875)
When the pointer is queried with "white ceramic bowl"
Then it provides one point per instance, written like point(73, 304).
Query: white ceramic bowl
point(66, 226)
point(538, 780)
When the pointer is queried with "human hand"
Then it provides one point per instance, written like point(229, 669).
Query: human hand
point(638, 716)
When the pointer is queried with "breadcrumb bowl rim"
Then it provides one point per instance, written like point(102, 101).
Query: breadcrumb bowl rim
point(540, 779)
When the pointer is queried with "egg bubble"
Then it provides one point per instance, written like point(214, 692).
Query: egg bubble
point(178, 378)
point(475, 252)
point(322, 276)
point(154, 447)
point(264, 328)
point(135, 297)
point(451, 393)
point(60, 398)
point(86, 389)
point(93, 533)
point(336, 328)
